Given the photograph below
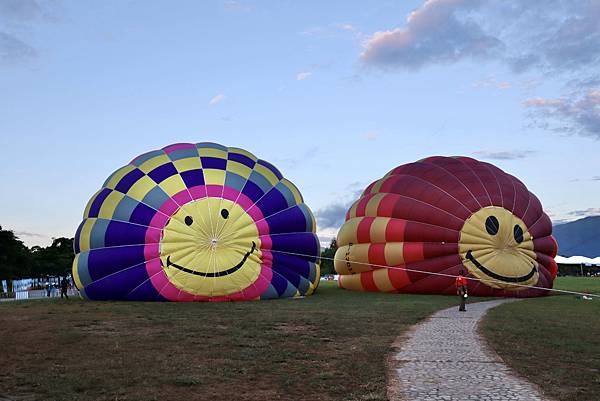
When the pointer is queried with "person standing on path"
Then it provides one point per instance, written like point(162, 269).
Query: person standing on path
point(461, 290)
point(64, 285)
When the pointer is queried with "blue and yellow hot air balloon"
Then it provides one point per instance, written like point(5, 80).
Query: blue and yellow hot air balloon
point(196, 222)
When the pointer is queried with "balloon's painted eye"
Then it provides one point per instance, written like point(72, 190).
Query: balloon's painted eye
point(492, 225)
point(188, 220)
point(224, 213)
point(518, 233)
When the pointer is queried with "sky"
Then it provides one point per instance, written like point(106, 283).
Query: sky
point(335, 94)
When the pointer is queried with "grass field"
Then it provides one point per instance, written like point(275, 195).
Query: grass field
point(553, 341)
point(578, 284)
point(331, 346)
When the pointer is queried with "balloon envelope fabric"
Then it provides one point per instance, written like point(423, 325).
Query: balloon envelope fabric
point(196, 222)
point(443, 215)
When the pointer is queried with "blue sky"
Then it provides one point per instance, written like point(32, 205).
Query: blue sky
point(334, 94)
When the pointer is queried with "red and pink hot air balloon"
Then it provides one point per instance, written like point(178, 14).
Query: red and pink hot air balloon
point(418, 226)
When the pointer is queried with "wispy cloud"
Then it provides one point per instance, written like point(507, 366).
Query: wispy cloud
point(14, 50)
point(346, 27)
point(572, 215)
point(233, 5)
point(303, 75)
point(28, 234)
point(18, 17)
point(334, 30)
point(504, 154)
point(20, 10)
point(577, 114)
point(217, 99)
point(592, 211)
point(369, 136)
point(298, 159)
point(492, 82)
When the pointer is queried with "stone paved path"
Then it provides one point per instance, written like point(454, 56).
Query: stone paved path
point(444, 358)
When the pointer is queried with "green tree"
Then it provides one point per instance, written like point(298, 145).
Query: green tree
point(15, 259)
point(54, 260)
point(326, 258)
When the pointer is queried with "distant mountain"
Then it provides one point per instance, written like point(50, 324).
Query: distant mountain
point(579, 237)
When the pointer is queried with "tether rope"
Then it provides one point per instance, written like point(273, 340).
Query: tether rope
point(439, 274)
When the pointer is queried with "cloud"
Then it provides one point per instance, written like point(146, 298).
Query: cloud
point(370, 136)
point(574, 114)
point(492, 82)
point(572, 215)
point(13, 50)
point(576, 41)
point(435, 33)
point(16, 18)
point(504, 155)
point(333, 31)
point(19, 10)
point(332, 216)
point(559, 39)
point(217, 99)
point(592, 211)
point(28, 234)
point(303, 75)
point(300, 158)
point(313, 31)
point(555, 35)
point(326, 235)
point(346, 27)
point(233, 5)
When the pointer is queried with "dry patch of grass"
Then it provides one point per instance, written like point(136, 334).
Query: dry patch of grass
point(552, 341)
point(331, 346)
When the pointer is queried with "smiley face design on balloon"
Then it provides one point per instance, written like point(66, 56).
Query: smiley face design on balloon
point(497, 248)
point(214, 239)
point(196, 222)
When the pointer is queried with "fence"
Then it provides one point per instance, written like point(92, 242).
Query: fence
point(40, 294)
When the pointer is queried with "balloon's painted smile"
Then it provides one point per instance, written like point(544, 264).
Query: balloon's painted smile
point(221, 273)
point(496, 276)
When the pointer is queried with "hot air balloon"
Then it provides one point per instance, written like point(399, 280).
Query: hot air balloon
point(196, 222)
point(418, 226)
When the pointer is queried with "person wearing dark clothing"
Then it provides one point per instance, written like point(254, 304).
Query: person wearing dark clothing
point(461, 290)
point(64, 285)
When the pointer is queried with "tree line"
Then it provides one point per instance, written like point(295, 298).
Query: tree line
point(327, 255)
point(18, 261)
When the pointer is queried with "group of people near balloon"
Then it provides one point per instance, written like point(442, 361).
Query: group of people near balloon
point(206, 222)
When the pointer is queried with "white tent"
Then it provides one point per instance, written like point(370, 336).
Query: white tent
point(577, 260)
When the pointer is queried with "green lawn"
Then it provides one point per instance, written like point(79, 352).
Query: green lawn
point(578, 284)
point(331, 346)
point(553, 341)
